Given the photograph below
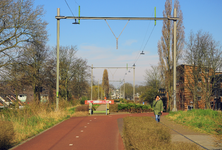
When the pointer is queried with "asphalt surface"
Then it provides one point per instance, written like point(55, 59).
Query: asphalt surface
point(96, 132)
point(101, 132)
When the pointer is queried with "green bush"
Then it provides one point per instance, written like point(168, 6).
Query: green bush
point(6, 134)
point(82, 101)
point(132, 107)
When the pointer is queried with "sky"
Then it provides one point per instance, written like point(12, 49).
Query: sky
point(96, 43)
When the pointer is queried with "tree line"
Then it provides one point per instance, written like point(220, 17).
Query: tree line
point(26, 60)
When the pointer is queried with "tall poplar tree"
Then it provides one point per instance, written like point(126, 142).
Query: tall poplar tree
point(165, 45)
point(105, 83)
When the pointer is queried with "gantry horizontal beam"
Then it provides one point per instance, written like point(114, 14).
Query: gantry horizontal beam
point(117, 18)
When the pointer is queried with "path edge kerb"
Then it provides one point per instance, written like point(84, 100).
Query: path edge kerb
point(38, 134)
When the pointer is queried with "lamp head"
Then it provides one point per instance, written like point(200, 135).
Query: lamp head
point(75, 22)
point(142, 53)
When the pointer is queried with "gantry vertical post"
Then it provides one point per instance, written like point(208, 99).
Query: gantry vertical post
point(134, 82)
point(174, 60)
point(120, 92)
point(91, 80)
point(124, 89)
point(98, 89)
point(57, 67)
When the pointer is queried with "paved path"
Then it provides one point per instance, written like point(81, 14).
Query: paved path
point(181, 133)
point(94, 132)
point(101, 108)
point(99, 132)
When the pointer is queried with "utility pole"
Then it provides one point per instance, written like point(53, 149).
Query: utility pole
point(91, 80)
point(124, 89)
point(174, 61)
point(98, 89)
point(57, 67)
point(134, 82)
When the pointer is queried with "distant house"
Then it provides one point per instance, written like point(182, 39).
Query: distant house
point(25, 94)
point(22, 97)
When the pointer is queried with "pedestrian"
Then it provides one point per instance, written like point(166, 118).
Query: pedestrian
point(158, 107)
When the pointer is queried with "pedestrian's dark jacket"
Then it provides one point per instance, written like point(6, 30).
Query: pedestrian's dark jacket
point(157, 107)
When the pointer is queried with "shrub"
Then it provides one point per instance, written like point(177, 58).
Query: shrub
point(113, 108)
point(82, 101)
point(129, 101)
point(132, 107)
point(146, 134)
point(117, 100)
point(82, 108)
point(6, 134)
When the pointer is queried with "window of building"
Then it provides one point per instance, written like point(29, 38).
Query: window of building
point(199, 98)
point(199, 79)
point(189, 107)
point(199, 89)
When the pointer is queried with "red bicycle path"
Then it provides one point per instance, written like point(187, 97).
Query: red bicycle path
point(95, 132)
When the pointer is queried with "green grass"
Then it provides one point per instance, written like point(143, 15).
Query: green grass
point(99, 112)
point(208, 121)
point(144, 133)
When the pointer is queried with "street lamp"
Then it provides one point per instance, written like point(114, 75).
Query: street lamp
point(142, 53)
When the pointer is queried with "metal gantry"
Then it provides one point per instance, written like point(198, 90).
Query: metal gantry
point(58, 17)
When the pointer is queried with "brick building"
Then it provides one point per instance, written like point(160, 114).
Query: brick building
point(216, 103)
point(194, 83)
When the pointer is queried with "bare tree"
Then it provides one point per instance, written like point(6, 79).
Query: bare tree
point(165, 45)
point(153, 83)
point(128, 90)
point(34, 56)
point(73, 73)
point(204, 55)
point(19, 24)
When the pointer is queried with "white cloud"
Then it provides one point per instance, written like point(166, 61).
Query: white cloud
point(108, 57)
point(129, 42)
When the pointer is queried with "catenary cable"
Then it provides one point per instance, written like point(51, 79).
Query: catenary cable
point(69, 8)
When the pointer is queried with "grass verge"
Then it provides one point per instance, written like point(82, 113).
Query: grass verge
point(206, 121)
point(33, 119)
point(143, 133)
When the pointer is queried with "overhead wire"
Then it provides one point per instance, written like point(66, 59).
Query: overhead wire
point(138, 54)
point(69, 8)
